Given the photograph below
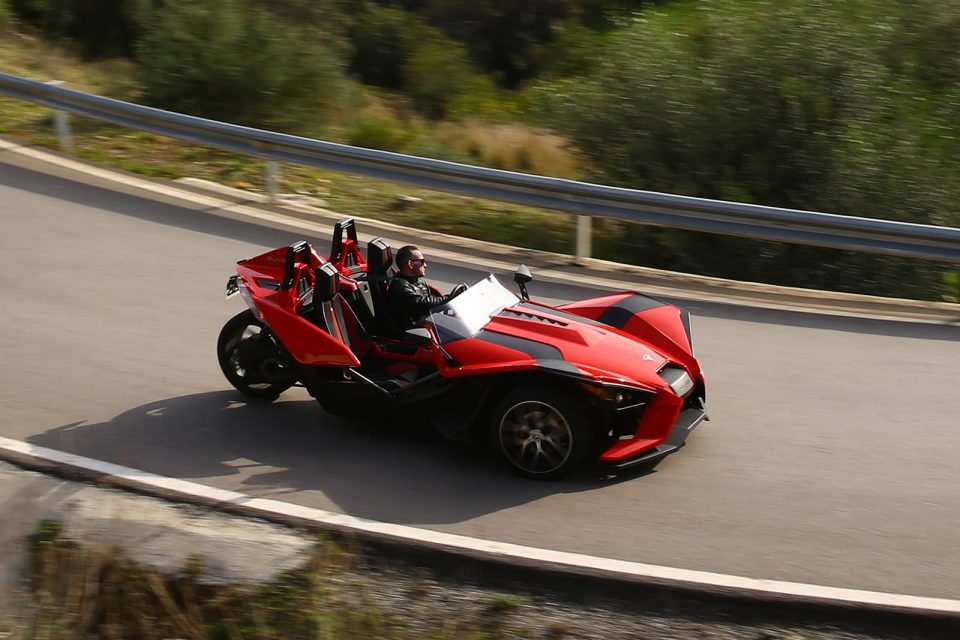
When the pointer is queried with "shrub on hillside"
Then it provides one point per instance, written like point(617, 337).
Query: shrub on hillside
point(6, 17)
point(787, 104)
point(435, 74)
point(231, 60)
point(480, 99)
point(29, 10)
point(396, 49)
point(96, 28)
point(378, 131)
point(504, 37)
point(99, 28)
point(384, 39)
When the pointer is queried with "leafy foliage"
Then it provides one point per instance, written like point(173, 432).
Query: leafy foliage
point(30, 10)
point(101, 28)
point(233, 61)
point(436, 73)
point(398, 50)
point(379, 131)
point(506, 38)
point(798, 105)
point(384, 40)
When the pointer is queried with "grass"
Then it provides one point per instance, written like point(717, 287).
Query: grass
point(512, 147)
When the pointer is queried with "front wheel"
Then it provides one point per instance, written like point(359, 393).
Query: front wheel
point(250, 358)
point(540, 433)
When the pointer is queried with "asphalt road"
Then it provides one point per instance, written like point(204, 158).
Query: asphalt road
point(831, 457)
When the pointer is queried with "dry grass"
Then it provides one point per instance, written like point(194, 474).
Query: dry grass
point(74, 591)
point(513, 147)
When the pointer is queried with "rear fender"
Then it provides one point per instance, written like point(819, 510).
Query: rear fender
point(306, 342)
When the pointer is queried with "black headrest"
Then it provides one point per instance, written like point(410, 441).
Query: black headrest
point(379, 257)
point(326, 284)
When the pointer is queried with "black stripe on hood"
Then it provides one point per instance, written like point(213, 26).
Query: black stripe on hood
point(536, 350)
point(619, 314)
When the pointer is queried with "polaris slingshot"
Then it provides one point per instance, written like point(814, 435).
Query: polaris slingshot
point(611, 378)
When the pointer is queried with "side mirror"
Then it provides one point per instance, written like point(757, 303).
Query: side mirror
point(419, 336)
point(522, 276)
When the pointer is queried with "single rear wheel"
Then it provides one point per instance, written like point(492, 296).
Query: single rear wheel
point(250, 358)
point(540, 433)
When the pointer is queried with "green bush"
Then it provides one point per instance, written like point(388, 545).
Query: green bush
point(384, 39)
point(379, 132)
point(951, 282)
point(505, 38)
point(100, 28)
point(572, 51)
point(436, 73)
point(231, 60)
point(6, 17)
point(480, 99)
point(396, 49)
point(29, 10)
point(809, 104)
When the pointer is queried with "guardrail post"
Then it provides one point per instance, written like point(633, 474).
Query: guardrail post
point(273, 177)
point(584, 239)
point(61, 123)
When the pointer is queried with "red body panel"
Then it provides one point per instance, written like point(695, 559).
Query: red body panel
point(305, 341)
point(598, 347)
point(660, 326)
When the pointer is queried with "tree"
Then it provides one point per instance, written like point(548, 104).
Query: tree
point(384, 39)
point(436, 73)
point(6, 17)
point(101, 28)
point(231, 60)
point(786, 104)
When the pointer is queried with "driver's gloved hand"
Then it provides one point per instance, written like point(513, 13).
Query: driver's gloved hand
point(457, 290)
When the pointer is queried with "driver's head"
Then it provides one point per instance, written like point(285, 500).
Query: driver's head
point(410, 261)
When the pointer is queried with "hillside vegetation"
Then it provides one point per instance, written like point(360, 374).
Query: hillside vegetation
point(848, 108)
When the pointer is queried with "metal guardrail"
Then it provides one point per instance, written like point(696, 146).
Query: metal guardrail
point(584, 199)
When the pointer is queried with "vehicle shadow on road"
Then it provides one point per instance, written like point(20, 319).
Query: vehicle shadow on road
point(292, 451)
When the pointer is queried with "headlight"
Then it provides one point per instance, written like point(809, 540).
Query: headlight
point(620, 397)
point(678, 379)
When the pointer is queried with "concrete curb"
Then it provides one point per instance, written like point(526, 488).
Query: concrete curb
point(568, 565)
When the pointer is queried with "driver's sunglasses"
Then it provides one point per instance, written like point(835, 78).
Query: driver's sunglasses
point(418, 261)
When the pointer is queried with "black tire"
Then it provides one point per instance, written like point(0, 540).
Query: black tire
point(247, 377)
point(540, 433)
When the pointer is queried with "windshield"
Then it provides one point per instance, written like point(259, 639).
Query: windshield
point(466, 315)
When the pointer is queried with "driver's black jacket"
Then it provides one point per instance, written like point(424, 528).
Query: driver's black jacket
point(409, 300)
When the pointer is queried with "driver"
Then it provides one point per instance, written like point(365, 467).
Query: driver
point(409, 299)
